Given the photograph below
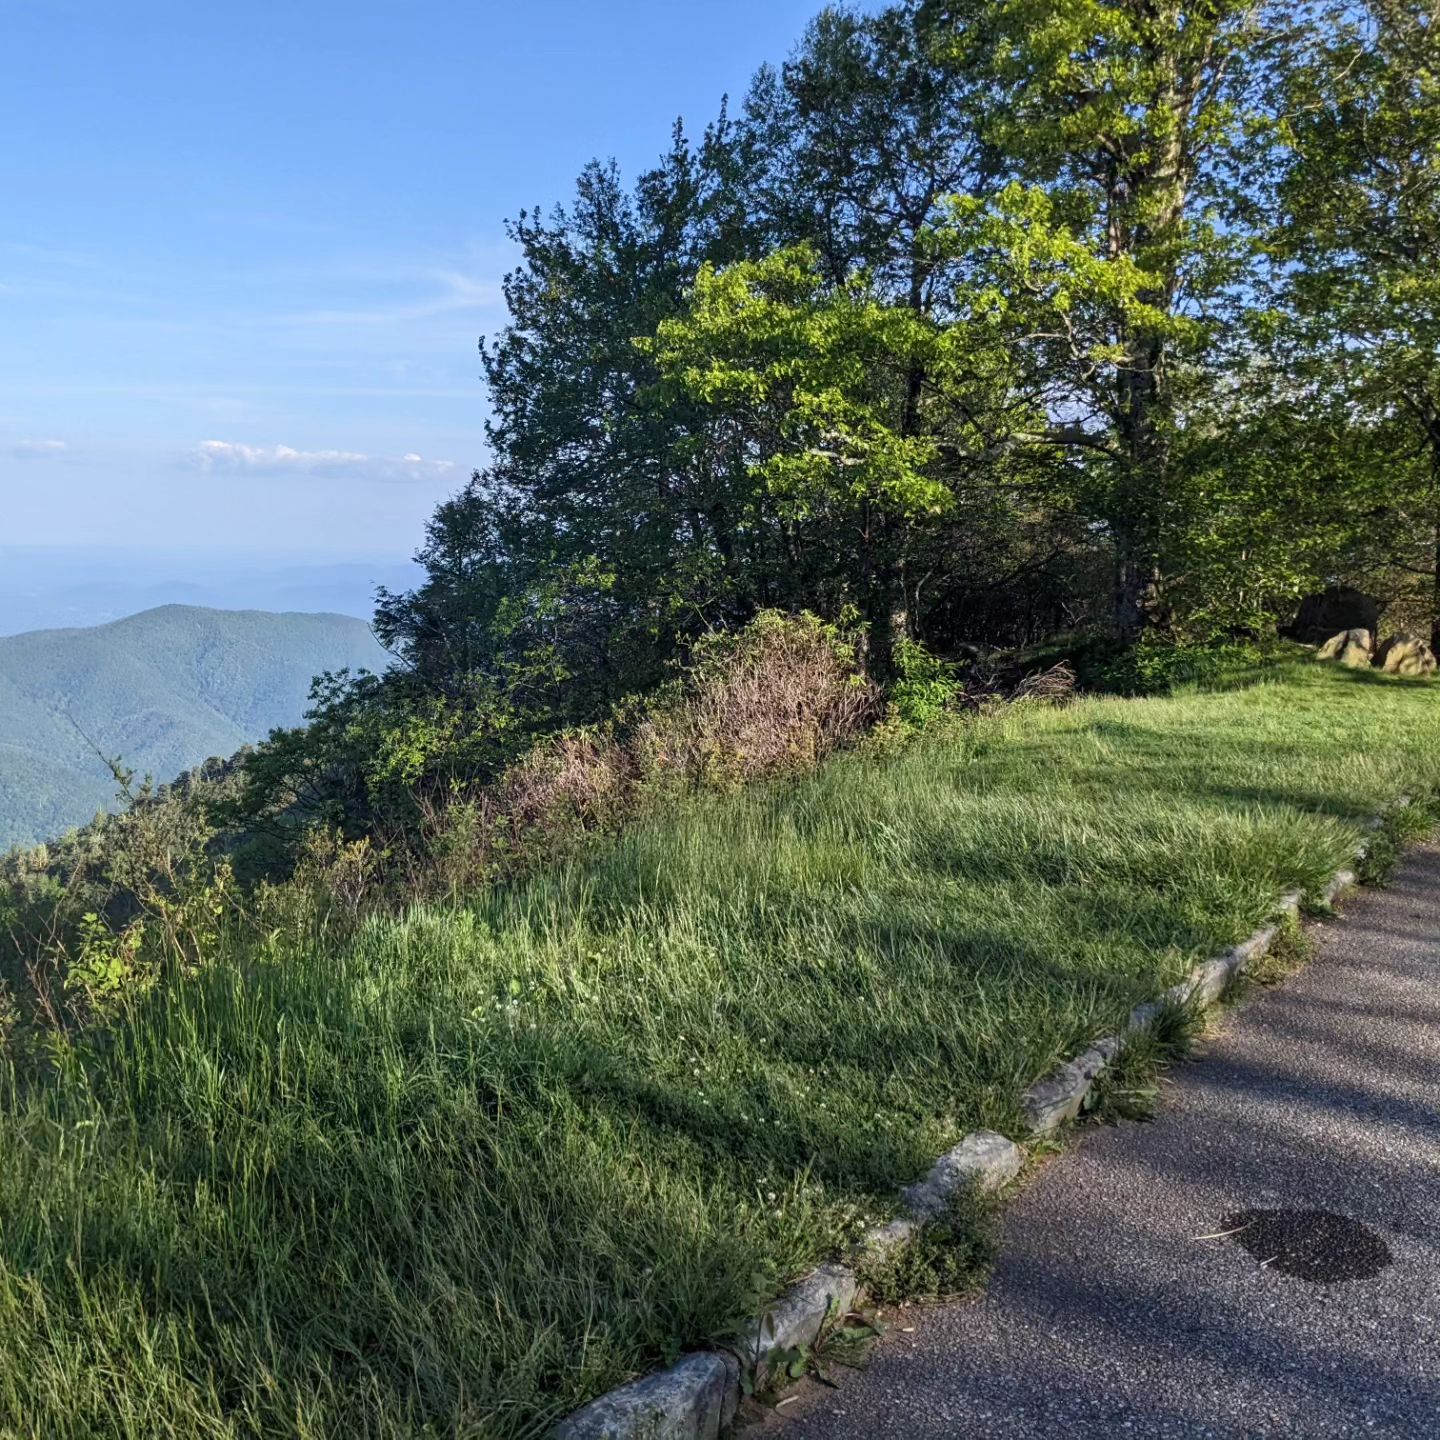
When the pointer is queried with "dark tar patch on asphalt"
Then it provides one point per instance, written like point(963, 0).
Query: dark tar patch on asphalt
point(1315, 1245)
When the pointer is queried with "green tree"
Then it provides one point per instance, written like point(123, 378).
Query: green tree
point(842, 435)
point(1359, 251)
point(604, 526)
point(641, 502)
point(1128, 114)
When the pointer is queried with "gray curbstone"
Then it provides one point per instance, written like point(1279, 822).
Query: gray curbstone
point(1342, 881)
point(982, 1159)
point(1210, 979)
point(1253, 948)
point(1049, 1103)
point(694, 1399)
point(884, 1240)
point(799, 1315)
point(1142, 1017)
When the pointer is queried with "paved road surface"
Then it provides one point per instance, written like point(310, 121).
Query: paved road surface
point(1107, 1317)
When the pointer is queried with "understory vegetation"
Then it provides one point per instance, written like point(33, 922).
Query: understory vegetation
point(461, 1167)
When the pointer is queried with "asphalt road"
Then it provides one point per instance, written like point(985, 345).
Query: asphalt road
point(1110, 1315)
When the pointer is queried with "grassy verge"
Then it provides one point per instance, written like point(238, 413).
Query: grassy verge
point(462, 1172)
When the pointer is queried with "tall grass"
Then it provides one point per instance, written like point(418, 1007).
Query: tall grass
point(458, 1173)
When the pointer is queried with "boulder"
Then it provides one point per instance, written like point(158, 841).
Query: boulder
point(1406, 654)
point(1349, 647)
point(1339, 608)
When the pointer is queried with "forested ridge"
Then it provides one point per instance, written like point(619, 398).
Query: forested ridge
point(162, 690)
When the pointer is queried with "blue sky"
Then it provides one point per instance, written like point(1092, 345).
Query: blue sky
point(248, 247)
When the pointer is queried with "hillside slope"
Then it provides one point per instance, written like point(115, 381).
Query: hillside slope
point(162, 690)
point(467, 1165)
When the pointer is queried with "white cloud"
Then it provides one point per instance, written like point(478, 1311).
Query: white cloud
point(449, 292)
point(37, 449)
point(230, 455)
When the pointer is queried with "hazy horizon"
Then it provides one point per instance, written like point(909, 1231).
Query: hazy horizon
point(44, 587)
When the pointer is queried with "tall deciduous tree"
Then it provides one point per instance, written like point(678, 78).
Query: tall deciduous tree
point(822, 378)
point(1360, 244)
point(1126, 112)
point(604, 525)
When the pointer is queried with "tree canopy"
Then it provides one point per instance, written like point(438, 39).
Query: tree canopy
point(973, 323)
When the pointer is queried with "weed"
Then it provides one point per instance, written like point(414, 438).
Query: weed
point(948, 1255)
point(1128, 1088)
point(1402, 827)
point(1291, 950)
point(843, 1340)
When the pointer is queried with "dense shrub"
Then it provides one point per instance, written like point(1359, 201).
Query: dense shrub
point(926, 688)
point(1159, 664)
point(772, 699)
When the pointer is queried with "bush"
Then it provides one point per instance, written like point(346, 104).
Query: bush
point(772, 699)
point(927, 689)
point(1159, 664)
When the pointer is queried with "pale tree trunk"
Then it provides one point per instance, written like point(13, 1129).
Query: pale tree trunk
point(1158, 192)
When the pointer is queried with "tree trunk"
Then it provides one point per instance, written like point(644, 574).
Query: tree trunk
point(1136, 506)
point(1131, 587)
point(887, 620)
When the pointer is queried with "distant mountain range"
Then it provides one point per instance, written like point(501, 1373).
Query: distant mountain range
point(45, 587)
point(162, 691)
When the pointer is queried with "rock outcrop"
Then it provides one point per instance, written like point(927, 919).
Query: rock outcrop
point(1406, 654)
point(1350, 647)
point(1339, 608)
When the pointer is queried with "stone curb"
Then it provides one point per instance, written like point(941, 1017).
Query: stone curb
point(697, 1397)
point(694, 1399)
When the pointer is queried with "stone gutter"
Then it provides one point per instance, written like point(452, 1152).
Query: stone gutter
point(697, 1397)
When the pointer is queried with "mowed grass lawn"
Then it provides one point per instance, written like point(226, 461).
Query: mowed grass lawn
point(461, 1173)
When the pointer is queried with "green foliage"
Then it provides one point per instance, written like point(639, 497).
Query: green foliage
point(1126, 121)
point(454, 790)
point(926, 688)
point(374, 748)
point(1357, 295)
point(1292, 948)
point(1158, 664)
point(948, 1256)
point(108, 967)
point(823, 372)
point(1360, 187)
point(353, 1087)
point(1128, 1088)
point(977, 319)
point(1404, 825)
point(94, 922)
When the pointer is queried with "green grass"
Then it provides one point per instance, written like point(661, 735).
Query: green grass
point(472, 1167)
